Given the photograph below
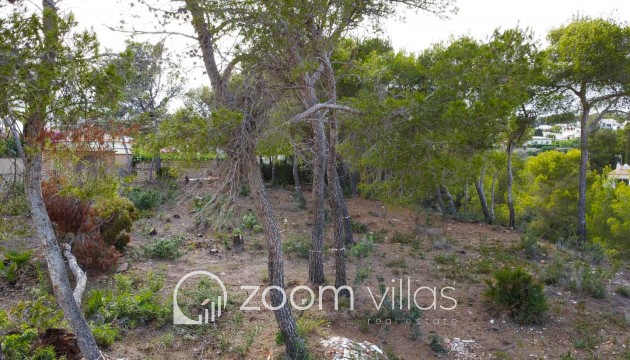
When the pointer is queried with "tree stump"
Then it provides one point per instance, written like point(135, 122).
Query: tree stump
point(237, 242)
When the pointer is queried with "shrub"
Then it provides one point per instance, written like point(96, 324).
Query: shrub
point(128, 304)
point(144, 199)
point(12, 265)
point(529, 244)
point(297, 245)
point(436, 345)
point(623, 291)
point(164, 248)
point(445, 259)
point(361, 275)
point(359, 227)
point(518, 293)
point(403, 238)
point(588, 280)
point(100, 226)
point(250, 222)
point(363, 248)
point(104, 334)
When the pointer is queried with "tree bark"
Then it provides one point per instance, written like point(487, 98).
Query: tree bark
point(33, 162)
point(451, 201)
point(298, 182)
point(492, 193)
point(581, 228)
point(316, 258)
point(482, 197)
point(274, 175)
point(295, 346)
point(440, 200)
point(510, 180)
point(337, 200)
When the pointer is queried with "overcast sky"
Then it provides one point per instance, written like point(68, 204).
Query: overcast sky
point(418, 31)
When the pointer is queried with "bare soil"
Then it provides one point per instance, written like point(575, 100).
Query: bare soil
point(447, 254)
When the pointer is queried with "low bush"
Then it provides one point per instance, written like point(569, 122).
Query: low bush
point(127, 304)
point(363, 248)
point(623, 291)
point(359, 227)
point(516, 292)
point(163, 248)
point(250, 222)
point(403, 238)
point(144, 199)
point(297, 245)
point(99, 228)
point(12, 265)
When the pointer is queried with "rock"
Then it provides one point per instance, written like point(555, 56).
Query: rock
point(199, 235)
point(214, 251)
point(153, 232)
point(176, 216)
point(338, 348)
point(122, 267)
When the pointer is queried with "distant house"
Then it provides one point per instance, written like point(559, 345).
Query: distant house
point(621, 172)
point(611, 124)
point(539, 141)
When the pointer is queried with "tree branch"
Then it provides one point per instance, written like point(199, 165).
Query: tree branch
point(315, 108)
point(79, 274)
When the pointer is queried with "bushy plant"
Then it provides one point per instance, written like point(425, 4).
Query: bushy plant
point(249, 221)
point(297, 245)
point(127, 304)
point(14, 261)
point(515, 291)
point(359, 227)
point(100, 226)
point(164, 248)
point(363, 248)
point(104, 334)
point(144, 199)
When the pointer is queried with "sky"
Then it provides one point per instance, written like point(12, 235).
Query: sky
point(417, 31)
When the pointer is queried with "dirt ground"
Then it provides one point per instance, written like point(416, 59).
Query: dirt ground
point(448, 254)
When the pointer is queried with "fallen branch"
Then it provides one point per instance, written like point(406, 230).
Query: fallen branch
point(79, 274)
point(315, 108)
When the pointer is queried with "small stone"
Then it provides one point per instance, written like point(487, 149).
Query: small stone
point(199, 235)
point(122, 267)
point(492, 321)
point(153, 232)
point(214, 251)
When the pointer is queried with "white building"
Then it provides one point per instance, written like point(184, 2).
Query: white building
point(537, 141)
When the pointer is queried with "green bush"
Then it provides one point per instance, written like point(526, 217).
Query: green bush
point(623, 291)
point(516, 292)
point(404, 238)
point(12, 265)
point(164, 248)
point(297, 245)
point(250, 222)
point(104, 334)
point(359, 227)
point(363, 248)
point(144, 199)
point(128, 304)
point(588, 280)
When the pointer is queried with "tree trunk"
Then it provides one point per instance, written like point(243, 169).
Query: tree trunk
point(316, 263)
point(337, 201)
point(451, 201)
point(581, 230)
point(32, 157)
point(54, 259)
point(298, 183)
point(492, 193)
point(482, 197)
point(295, 346)
point(440, 200)
point(157, 165)
point(510, 180)
point(274, 175)
point(128, 156)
